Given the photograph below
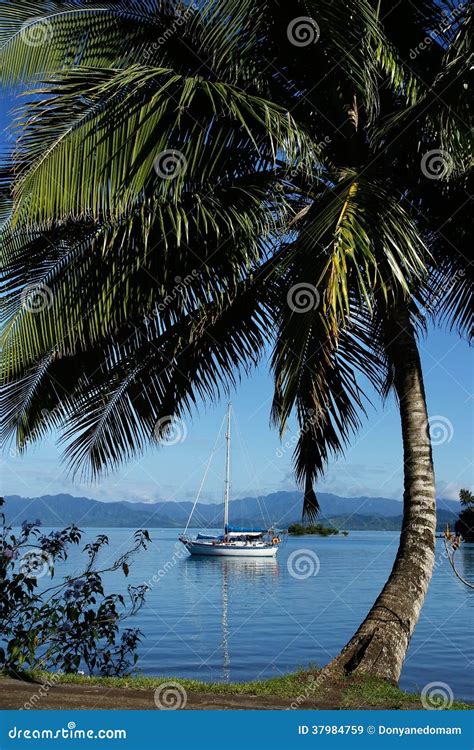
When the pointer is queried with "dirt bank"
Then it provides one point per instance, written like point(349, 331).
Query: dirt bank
point(302, 690)
point(16, 694)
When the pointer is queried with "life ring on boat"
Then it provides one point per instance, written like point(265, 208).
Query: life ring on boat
point(276, 540)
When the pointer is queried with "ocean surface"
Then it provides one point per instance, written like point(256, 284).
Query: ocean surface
point(239, 619)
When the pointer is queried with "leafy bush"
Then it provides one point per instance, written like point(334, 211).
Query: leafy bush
point(70, 625)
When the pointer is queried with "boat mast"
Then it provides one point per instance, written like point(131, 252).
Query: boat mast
point(227, 471)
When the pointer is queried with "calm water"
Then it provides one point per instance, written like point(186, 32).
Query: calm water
point(230, 619)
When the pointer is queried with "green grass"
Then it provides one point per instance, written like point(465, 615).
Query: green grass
point(371, 691)
point(352, 692)
point(287, 686)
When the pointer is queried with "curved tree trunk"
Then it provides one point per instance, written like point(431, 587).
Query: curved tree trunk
point(380, 644)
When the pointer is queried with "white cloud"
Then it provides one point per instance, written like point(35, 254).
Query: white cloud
point(450, 490)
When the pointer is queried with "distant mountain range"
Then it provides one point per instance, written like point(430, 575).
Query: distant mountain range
point(278, 508)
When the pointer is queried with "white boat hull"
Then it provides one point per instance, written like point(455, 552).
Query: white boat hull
point(229, 550)
point(234, 542)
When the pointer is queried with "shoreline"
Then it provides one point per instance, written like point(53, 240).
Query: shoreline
point(301, 690)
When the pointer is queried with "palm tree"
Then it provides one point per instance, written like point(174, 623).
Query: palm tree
point(96, 221)
point(466, 498)
point(261, 205)
point(386, 202)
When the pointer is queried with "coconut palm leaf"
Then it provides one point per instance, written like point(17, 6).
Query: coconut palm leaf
point(451, 298)
point(356, 246)
point(114, 400)
point(44, 37)
point(325, 391)
point(6, 182)
point(115, 148)
point(441, 116)
point(448, 293)
point(112, 33)
point(94, 280)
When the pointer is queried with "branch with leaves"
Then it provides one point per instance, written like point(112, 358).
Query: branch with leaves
point(452, 542)
point(73, 624)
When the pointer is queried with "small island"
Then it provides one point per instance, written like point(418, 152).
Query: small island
point(299, 529)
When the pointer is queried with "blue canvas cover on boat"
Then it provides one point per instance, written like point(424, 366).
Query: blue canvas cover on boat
point(242, 530)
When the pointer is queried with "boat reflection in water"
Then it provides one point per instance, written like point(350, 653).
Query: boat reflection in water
point(232, 570)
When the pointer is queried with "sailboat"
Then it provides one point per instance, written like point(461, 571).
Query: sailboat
point(234, 541)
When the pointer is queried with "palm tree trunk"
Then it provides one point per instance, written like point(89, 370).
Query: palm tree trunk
point(380, 644)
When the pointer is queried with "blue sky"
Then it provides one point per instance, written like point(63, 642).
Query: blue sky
point(372, 465)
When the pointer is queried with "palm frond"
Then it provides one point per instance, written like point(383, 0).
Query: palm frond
point(440, 119)
point(316, 375)
point(112, 145)
point(352, 246)
point(155, 262)
point(116, 401)
point(450, 295)
point(43, 37)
